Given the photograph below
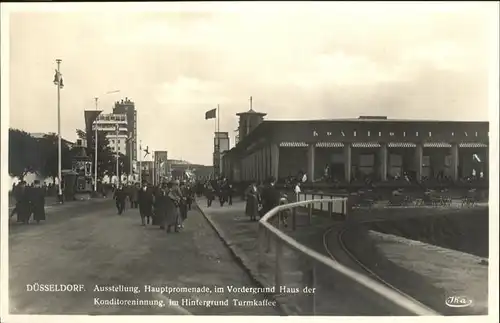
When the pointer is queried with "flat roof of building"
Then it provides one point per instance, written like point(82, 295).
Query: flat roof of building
point(301, 129)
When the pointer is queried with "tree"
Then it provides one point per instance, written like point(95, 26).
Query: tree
point(49, 153)
point(106, 160)
point(23, 153)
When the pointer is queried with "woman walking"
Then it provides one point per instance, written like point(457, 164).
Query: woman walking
point(252, 205)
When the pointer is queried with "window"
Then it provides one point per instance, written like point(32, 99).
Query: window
point(118, 140)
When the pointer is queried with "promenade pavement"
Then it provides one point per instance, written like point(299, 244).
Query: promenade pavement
point(335, 294)
point(94, 246)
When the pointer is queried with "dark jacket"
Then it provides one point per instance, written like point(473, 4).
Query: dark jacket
point(270, 198)
point(145, 197)
point(120, 194)
point(37, 197)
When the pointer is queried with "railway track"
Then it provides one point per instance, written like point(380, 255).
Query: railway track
point(357, 262)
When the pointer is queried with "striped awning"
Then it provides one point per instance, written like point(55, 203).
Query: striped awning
point(365, 145)
point(330, 144)
point(293, 144)
point(437, 145)
point(401, 145)
point(472, 145)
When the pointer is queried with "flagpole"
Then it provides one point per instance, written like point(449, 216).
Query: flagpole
point(218, 141)
point(140, 162)
point(59, 161)
point(95, 152)
point(117, 156)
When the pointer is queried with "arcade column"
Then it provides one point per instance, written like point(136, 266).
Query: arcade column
point(245, 168)
point(253, 164)
point(263, 163)
point(311, 156)
point(419, 160)
point(383, 162)
point(265, 158)
point(486, 169)
point(454, 161)
point(275, 157)
point(347, 161)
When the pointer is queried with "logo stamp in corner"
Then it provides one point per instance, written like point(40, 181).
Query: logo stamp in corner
point(458, 301)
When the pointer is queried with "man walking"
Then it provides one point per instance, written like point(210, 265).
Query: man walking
point(23, 205)
point(270, 196)
point(37, 197)
point(120, 196)
point(145, 201)
point(183, 203)
point(134, 191)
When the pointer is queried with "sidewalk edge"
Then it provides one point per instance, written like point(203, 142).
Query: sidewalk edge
point(244, 262)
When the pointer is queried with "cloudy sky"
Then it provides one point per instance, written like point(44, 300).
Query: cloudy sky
point(298, 61)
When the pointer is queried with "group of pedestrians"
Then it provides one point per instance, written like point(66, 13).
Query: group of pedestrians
point(165, 205)
point(263, 198)
point(30, 201)
point(221, 188)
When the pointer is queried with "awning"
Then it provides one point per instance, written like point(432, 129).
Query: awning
point(329, 144)
point(401, 145)
point(472, 145)
point(366, 145)
point(437, 145)
point(293, 144)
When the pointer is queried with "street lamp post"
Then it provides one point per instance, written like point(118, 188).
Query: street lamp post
point(95, 152)
point(58, 82)
point(117, 156)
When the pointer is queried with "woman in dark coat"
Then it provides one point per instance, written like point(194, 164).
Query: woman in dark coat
point(145, 201)
point(252, 205)
point(23, 206)
point(37, 197)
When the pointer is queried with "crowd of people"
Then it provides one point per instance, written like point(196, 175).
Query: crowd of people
point(220, 188)
point(263, 197)
point(30, 202)
point(165, 205)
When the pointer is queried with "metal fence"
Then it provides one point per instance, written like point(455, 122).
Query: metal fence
point(275, 247)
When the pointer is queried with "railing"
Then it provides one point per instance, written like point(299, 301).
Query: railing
point(333, 205)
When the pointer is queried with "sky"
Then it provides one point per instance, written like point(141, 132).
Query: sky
point(297, 61)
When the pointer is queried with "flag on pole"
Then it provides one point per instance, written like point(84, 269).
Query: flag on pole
point(211, 114)
point(58, 80)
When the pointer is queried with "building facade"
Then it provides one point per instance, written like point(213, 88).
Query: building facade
point(221, 145)
point(108, 123)
point(352, 149)
point(127, 107)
